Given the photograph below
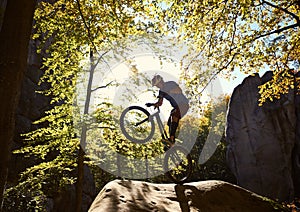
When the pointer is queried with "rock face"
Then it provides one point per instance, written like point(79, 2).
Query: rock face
point(206, 196)
point(263, 150)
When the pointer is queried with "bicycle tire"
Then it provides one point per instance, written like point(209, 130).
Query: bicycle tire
point(134, 136)
point(180, 172)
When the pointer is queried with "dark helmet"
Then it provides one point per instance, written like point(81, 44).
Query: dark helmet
point(156, 79)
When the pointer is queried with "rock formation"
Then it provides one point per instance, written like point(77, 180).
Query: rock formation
point(208, 196)
point(263, 151)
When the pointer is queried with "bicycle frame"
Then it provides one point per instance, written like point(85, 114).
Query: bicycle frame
point(177, 160)
point(162, 130)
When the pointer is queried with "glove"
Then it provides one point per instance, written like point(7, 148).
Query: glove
point(149, 104)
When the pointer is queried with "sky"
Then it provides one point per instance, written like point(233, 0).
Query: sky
point(142, 58)
point(169, 70)
point(149, 65)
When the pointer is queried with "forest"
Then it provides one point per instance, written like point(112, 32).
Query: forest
point(90, 59)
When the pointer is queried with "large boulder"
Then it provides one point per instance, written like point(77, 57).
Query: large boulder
point(263, 151)
point(209, 196)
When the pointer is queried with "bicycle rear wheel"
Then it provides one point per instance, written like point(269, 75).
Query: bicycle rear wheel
point(178, 164)
point(136, 125)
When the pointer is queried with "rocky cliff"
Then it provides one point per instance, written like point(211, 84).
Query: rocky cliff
point(208, 196)
point(263, 142)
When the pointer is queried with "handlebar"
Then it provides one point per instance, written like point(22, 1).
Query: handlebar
point(152, 104)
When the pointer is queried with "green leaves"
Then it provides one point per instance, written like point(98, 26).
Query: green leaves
point(222, 36)
point(281, 83)
point(238, 35)
point(64, 31)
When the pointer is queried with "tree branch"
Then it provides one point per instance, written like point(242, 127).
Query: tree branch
point(275, 31)
point(99, 127)
point(219, 71)
point(103, 86)
point(86, 26)
point(269, 33)
point(284, 10)
point(233, 34)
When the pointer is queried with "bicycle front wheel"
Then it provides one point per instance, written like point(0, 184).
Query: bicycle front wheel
point(136, 124)
point(178, 164)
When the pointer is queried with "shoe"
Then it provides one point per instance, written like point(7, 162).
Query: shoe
point(171, 142)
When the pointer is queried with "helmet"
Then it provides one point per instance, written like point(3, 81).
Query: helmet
point(156, 79)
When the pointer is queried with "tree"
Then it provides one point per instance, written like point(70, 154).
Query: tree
point(14, 39)
point(244, 35)
point(66, 31)
point(209, 150)
point(226, 35)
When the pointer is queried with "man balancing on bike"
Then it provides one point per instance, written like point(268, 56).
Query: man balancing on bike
point(172, 92)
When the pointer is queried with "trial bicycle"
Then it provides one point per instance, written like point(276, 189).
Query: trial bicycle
point(137, 124)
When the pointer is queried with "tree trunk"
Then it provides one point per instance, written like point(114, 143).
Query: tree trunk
point(14, 40)
point(80, 174)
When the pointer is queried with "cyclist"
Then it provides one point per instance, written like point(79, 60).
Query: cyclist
point(172, 92)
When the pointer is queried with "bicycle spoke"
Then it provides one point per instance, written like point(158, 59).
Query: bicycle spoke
point(141, 122)
point(135, 124)
point(178, 164)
